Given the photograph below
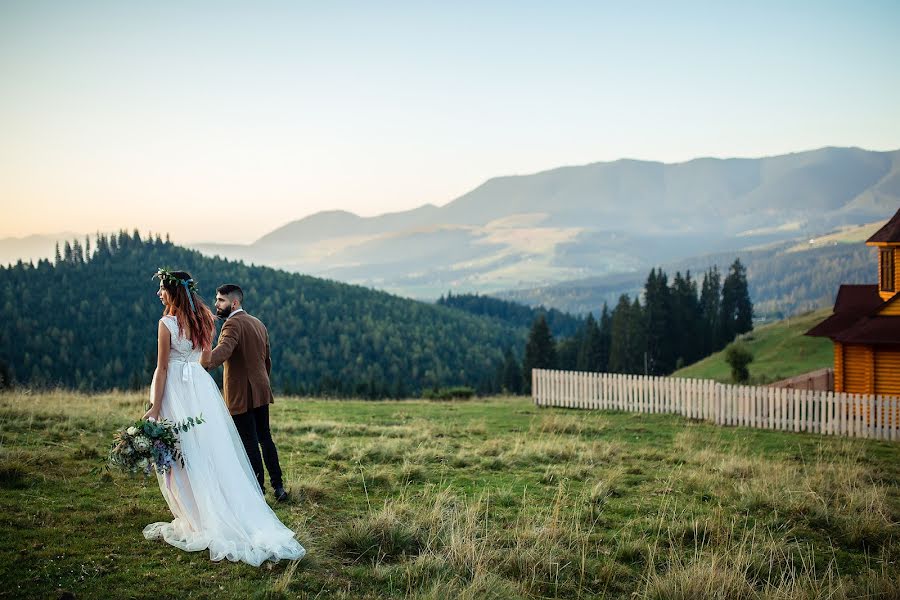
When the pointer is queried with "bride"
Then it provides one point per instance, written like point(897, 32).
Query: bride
point(215, 498)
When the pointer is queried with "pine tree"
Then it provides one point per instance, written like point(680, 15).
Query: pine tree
point(590, 352)
point(743, 319)
point(58, 257)
point(77, 253)
point(605, 338)
point(661, 337)
point(628, 341)
point(512, 373)
point(686, 325)
point(710, 311)
point(567, 352)
point(540, 351)
point(736, 309)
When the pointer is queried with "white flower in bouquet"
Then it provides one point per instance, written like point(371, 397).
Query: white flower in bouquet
point(149, 445)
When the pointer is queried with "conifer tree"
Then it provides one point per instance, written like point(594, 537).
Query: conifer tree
point(512, 373)
point(605, 327)
point(710, 311)
point(685, 325)
point(628, 341)
point(736, 310)
point(590, 352)
point(661, 338)
point(540, 351)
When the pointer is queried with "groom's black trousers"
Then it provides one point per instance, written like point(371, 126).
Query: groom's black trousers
point(253, 427)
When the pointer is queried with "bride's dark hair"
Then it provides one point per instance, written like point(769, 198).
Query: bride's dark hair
point(190, 310)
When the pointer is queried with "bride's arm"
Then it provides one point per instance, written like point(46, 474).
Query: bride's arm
point(162, 370)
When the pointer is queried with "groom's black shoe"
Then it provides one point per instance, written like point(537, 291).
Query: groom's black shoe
point(280, 494)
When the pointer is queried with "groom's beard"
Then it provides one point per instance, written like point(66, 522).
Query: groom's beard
point(223, 313)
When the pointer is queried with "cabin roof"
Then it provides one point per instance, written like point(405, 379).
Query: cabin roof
point(854, 303)
point(890, 232)
point(858, 299)
point(872, 330)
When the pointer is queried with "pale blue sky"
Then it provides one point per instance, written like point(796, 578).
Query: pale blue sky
point(175, 116)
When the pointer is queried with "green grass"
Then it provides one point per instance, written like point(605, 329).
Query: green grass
point(780, 350)
point(469, 499)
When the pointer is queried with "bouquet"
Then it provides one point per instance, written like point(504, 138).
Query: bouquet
point(145, 446)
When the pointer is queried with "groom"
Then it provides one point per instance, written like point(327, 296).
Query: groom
point(244, 348)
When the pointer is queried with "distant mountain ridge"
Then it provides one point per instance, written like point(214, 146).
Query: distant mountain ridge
point(785, 278)
point(33, 247)
point(586, 221)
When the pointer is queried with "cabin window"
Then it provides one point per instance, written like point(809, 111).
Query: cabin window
point(887, 270)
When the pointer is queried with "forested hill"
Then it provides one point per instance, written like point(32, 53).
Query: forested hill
point(88, 320)
point(561, 324)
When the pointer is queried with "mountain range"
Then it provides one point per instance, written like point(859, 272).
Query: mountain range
point(603, 222)
point(586, 221)
point(32, 247)
point(784, 278)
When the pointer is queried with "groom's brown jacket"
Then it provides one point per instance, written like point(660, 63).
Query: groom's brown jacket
point(243, 347)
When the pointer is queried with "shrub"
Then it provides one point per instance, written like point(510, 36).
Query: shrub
point(738, 358)
point(459, 392)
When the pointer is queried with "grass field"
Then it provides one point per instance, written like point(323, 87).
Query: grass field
point(471, 499)
point(780, 350)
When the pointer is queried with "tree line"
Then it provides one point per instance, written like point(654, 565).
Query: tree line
point(677, 324)
point(87, 320)
point(562, 324)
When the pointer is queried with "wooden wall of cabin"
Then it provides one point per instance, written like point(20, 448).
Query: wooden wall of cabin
point(858, 369)
point(838, 367)
point(887, 370)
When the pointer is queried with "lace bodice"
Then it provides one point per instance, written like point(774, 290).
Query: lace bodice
point(180, 349)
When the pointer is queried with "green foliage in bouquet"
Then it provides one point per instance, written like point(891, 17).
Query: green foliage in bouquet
point(145, 445)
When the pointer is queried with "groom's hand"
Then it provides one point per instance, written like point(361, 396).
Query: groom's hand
point(205, 358)
point(228, 341)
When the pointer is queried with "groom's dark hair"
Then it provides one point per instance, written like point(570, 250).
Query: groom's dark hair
point(231, 290)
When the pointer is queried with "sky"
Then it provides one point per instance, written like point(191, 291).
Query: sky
point(221, 121)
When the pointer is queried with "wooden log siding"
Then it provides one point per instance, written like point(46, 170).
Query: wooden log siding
point(783, 409)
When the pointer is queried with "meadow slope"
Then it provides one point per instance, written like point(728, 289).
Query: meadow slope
point(780, 350)
point(478, 499)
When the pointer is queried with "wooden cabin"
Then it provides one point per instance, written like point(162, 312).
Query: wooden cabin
point(865, 324)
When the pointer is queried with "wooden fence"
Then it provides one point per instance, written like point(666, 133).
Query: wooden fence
point(828, 413)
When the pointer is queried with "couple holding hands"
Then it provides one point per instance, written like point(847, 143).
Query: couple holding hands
point(217, 497)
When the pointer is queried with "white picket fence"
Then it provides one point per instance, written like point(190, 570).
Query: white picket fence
point(829, 413)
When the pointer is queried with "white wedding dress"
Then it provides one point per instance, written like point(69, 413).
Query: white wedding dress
point(215, 498)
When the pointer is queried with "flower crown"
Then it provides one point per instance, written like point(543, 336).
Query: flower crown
point(164, 274)
point(190, 286)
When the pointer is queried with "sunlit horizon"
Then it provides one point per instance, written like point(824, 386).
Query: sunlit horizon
point(218, 123)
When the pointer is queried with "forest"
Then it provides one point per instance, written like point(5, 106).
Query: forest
point(87, 320)
point(677, 324)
